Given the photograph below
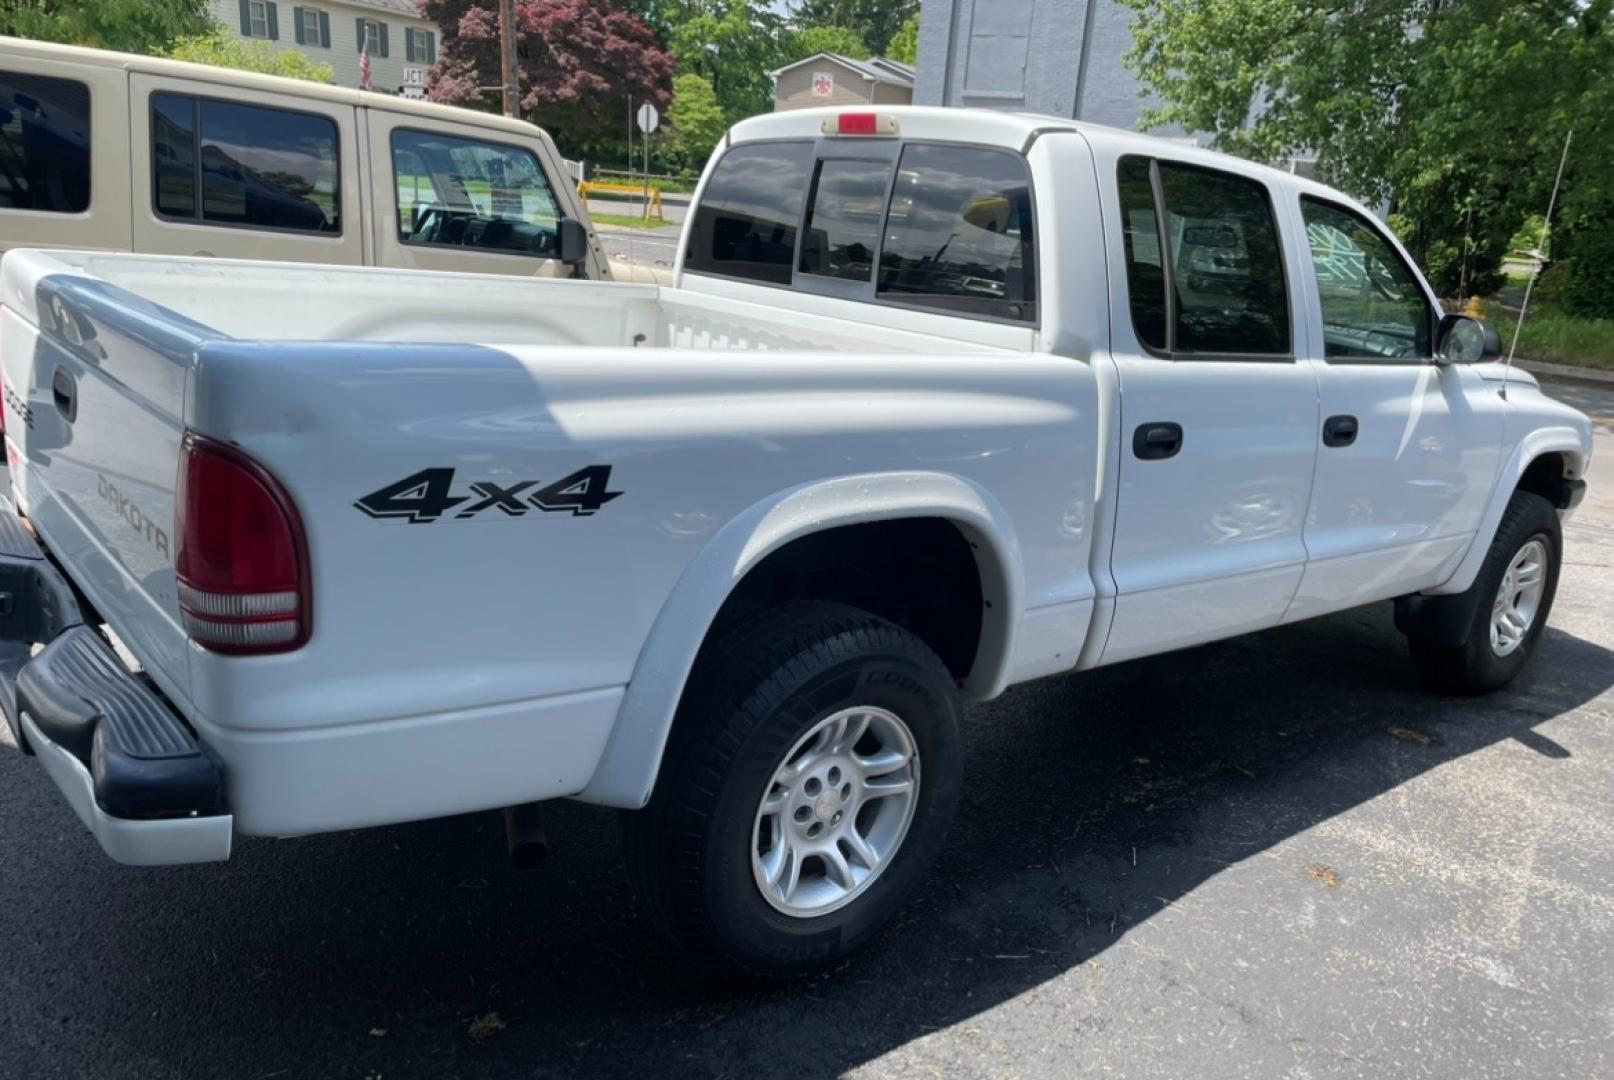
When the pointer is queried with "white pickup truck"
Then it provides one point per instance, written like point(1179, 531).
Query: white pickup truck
point(940, 401)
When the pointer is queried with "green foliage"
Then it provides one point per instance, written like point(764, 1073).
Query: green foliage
point(830, 39)
point(904, 45)
point(1587, 288)
point(875, 22)
point(1528, 235)
point(1453, 112)
point(695, 120)
point(224, 49)
point(1557, 337)
point(1547, 293)
point(139, 26)
point(733, 44)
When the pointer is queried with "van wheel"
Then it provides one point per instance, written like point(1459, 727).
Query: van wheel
point(812, 773)
point(1511, 598)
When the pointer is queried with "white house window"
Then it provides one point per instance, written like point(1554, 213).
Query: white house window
point(310, 17)
point(259, 20)
point(372, 37)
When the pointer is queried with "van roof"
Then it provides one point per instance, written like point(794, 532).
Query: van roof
point(251, 80)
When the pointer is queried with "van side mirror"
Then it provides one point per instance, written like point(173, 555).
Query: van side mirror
point(1466, 340)
point(573, 241)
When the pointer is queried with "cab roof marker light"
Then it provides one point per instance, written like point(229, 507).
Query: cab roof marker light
point(860, 123)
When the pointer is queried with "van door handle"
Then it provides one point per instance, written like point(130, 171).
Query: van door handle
point(1157, 440)
point(1339, 431)
point(65, 391)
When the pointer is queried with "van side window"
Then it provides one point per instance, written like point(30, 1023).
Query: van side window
point(745, 225)
point(1221, 289)
point(44, 144)
point(467, 193)
point(257, 167)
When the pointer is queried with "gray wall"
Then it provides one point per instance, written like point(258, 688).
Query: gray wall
point(1061, 57)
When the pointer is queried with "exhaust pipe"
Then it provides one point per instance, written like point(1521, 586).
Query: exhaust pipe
point(525, 834)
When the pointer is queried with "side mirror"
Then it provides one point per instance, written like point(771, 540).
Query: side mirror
point(573, 241)
point(1466, 340)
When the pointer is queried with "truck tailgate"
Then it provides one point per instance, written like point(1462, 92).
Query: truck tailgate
point(93, 411)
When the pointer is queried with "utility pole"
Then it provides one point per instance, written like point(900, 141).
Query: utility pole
point(508, 79)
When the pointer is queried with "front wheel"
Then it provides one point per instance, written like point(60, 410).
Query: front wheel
point(813, 770)
point(1511, 598)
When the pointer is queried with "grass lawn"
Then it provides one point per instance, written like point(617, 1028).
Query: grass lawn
point(1557, 338)
point(627, 221)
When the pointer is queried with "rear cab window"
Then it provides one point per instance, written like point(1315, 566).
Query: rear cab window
point(44, 144)
point(254, 166)
point(1204, 262)
point(932, 225)
point(473, 194)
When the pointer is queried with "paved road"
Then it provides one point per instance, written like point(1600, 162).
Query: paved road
point(1273, 857)
point(658, 247)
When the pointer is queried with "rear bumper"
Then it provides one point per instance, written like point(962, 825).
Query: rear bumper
point(133, 772)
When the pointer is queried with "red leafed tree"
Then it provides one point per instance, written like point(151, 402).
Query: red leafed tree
point(581, 61)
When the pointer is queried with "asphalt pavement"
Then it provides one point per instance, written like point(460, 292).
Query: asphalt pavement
point(1277, 856)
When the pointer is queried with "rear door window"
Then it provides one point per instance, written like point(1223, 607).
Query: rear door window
point(745, 225)
point(44, 144)
point(959, 235)
point(1220, 289)
point(468, 193)
point(257, 167)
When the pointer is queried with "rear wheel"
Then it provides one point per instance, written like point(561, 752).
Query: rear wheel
point(1510, 598)
point(812, 774)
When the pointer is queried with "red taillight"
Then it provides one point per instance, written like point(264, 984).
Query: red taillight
point(242, 561)
point(859, 123)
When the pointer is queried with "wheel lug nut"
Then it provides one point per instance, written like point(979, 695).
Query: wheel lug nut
point(846, 790)
point(835, 776)
point(813, 787)
point(802, 813)
point(818, 827)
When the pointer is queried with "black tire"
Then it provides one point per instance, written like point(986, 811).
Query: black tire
point(752, 697)
point(1475, 667)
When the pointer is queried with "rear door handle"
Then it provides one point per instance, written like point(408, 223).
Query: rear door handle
point(1157, 440)
point(1339, 431)
point(65, 391)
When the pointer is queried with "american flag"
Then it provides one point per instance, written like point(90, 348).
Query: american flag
point(364, 67)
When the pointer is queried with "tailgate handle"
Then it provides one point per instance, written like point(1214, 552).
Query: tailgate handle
point(65, 391)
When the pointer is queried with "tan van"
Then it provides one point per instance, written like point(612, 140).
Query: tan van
point(131, 153)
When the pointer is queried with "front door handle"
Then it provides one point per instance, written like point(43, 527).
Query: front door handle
point(1339, 431)
point(1158, 440)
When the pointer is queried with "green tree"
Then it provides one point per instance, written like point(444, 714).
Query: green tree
point(905, 45)
point(733, 44)
point(1453, 113)
point(695, 120)
point(140, 26)
point(876, 22)
point(224, 49)
point(833, 39)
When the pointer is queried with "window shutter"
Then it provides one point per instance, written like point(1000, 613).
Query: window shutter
point(383, 38)
point(324, 30)
point(274, 21)
point(297, 24)
point(431, 47)
point(246, 18)
point(409, 44)
point(359, 24)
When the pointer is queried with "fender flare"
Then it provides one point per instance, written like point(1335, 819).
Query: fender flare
point(627, 769)
point(1546, 440)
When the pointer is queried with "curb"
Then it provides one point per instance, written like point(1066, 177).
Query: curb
point(1594, 376)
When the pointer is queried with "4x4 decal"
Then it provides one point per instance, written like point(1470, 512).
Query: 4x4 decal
point(427, 496)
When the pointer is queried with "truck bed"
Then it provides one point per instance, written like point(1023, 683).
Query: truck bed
point(521, 623)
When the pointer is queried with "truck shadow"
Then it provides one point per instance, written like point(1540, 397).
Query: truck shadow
point(1094, 803)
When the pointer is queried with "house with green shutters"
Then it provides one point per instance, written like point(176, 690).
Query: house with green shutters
point(402, 45)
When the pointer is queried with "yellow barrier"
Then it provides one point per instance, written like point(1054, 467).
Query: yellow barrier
point(652, 206)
